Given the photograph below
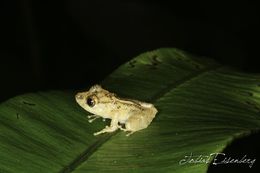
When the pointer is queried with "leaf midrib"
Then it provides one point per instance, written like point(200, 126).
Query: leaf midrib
point(99, 142)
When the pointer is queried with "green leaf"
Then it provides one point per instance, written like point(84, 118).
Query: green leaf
point(202, 106)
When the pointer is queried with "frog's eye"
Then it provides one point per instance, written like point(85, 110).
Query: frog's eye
point(90, 102)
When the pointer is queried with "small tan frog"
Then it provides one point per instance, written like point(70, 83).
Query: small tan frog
point(135, 115)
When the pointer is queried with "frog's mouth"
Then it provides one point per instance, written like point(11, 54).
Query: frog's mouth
point(79, 97)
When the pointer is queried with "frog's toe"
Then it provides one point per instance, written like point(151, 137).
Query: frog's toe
point(130, 133)
point(97, 133)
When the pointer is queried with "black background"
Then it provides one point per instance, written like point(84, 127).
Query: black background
point(73, 44)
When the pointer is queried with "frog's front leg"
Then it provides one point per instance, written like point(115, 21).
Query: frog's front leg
point(92, 118)
point(113, 127)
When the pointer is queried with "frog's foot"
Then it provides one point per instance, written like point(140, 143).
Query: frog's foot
point(130, 133)
point(92, 118)
point(107, 129)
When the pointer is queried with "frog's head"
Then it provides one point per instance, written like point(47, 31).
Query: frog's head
point(96, 100)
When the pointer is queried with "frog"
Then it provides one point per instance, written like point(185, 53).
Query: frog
point(128, 115)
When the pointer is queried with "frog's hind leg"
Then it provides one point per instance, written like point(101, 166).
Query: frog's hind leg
point(137, 122)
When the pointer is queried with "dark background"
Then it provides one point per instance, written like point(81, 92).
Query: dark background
point(74, 44)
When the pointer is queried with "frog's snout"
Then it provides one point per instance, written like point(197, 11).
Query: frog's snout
point(79, 96)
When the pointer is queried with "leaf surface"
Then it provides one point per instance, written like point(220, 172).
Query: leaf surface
point(202, 106)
